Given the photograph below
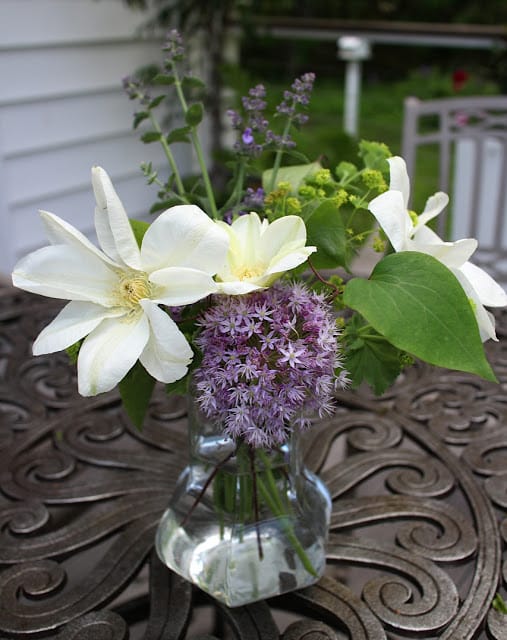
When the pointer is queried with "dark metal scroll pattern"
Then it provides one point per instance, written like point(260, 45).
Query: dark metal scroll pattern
point(418, 529)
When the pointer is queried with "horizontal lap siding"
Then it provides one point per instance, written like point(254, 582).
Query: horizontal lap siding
point(63, 110)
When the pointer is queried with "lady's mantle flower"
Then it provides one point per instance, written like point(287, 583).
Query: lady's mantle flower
point(259, 252)
point(408, 232)
point(275, 361)
point(115, 292)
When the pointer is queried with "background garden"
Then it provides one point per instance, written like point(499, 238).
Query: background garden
point(392, 73)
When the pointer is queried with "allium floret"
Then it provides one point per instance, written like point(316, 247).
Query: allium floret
point(269, 360)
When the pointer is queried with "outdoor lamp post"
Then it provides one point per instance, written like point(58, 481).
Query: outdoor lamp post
point(353, 50)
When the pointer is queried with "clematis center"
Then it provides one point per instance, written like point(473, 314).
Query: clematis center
point(245, 273)
point(133, 288)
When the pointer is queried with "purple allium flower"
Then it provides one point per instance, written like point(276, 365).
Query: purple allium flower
point(269, 358)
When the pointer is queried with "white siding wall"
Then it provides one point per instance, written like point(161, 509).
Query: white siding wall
point(63, 110)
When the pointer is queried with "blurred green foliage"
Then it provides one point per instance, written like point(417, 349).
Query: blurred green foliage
point(464, 11)
point(391, 74)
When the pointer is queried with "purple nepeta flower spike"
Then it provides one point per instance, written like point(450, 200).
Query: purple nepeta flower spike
point(253, 199)
point(300, 95)
point(247, 136)
point(173, 46)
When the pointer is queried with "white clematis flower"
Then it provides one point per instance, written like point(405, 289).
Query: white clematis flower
point(260, 252)
point(115, 292)
point(390, 209)
point(407, 232)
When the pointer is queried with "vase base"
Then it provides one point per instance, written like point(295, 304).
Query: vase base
point(264, 566)
point(239, 563)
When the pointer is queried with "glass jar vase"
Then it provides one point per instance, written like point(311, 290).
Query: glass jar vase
point(244, 524)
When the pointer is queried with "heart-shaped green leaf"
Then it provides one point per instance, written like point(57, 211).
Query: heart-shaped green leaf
point(419, 306)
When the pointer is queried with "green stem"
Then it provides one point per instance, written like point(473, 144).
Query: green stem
point(255, 479)
point(273, 499)
point(238, 187)
point(363, 333)
point(278, 156)
point(336, 290)
point(499, 604)
point(196, 144)
point(274, 505)
point(169, 156)
point(237, 192)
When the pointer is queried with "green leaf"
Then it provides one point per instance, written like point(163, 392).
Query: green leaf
point(294, 174)
point(151, 136)
point(139, 227)
point(163, 78)
point(156, 101)
point(194, 114)
point(73, 351)
point(139, 117)
point(419, 306)
point(179, 387)
point(369, 357)
point(136, 389)
point(345, 171)
point(326, 231)
point(374, 155)
point(191, 82)
point(178, 135)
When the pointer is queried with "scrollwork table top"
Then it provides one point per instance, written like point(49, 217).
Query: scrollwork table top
point(418, 533)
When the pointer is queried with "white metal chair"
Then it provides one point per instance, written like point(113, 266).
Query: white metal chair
point(470, 134)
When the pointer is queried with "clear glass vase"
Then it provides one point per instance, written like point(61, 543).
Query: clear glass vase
point(244, 524)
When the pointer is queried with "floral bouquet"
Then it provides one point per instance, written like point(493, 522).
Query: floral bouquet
point(245, 300)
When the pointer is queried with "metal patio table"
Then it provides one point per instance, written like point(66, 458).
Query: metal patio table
point(418, 535)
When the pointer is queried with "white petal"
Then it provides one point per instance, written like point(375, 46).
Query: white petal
point(61, 271)
point(452, 254)
point(425, 235)
point(239, 287)
point(111, 222)
point(391, 214)
point(293, 257)
point(280, 234)
point(234, 258)
point(489, 292)
point(184, 236)
point(434, 205)
point(167, 354)
point(398, 178)
point(109, 352)
point(60, 232)
point(181, 286)
point(75, 321)
point(485, 320)
point(248, 230)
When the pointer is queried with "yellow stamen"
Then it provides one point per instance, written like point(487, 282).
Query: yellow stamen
point(134, 288)
point(245, 273)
